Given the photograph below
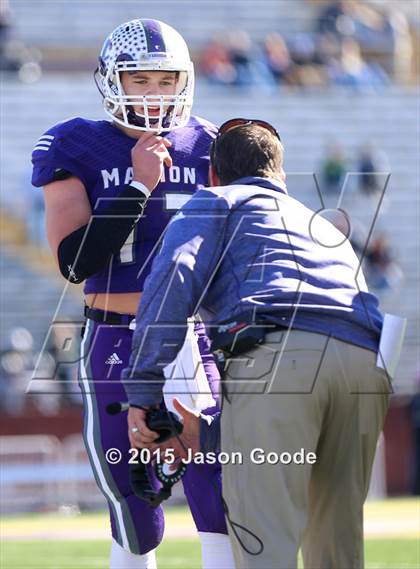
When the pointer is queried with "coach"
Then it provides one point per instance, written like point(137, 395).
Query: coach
point(310, 386)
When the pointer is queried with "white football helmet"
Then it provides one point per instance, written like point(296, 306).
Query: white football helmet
point(146, 45)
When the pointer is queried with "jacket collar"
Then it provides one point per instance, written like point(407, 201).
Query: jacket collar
point(269, 183)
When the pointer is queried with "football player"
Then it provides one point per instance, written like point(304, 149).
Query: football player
point(146, 79)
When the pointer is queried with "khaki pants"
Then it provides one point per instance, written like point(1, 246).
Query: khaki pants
point(314, 393)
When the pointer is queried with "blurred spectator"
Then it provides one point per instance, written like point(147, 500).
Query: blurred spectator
point(235, 61)
point(54, 382)
point(277, 57)
point(352, 45)
point(333, 169)
point(15, 371)
point(379, 31)
point(403, 48)
point(6, 62)
point(328, 49)
point(241, 57)
point(371, 167)
point(248, 60)
point(334, 18)
point(13, 376)
point(43, 394)
point(48, 377)
point(351, 70)
point(63, 347)
point(383, 35)
point(215, 63)
point(381, 270)
point(14, 55)
point(366, 24)
point(307, 70)
point(351, 228)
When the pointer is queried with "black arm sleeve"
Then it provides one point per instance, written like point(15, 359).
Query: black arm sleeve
point(87, 250)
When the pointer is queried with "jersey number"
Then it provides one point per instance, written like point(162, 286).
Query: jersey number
point(172, 202)
point(127, 253)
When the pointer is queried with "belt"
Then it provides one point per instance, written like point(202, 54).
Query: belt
point(107, 317)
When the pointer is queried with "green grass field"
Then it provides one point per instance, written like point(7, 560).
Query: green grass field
point(399, 549)
point(174, 554)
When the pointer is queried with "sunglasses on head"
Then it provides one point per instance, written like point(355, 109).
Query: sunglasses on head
point(232, 123)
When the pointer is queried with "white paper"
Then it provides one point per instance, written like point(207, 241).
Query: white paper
point(390, 343)
point(186, 378)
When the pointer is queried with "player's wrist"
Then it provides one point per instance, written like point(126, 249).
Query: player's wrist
point(141, 187)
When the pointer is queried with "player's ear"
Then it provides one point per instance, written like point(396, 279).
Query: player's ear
point(214, 179)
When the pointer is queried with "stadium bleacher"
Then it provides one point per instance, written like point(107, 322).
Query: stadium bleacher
point(30, 296)
point(306, 121)
point(41, 22)
point(92, 21)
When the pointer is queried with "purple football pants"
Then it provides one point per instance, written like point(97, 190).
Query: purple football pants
point(135, 526)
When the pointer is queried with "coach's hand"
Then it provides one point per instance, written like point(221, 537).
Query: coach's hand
point(139, 434)
point(191, 423)
point(148, 157)
point(190, 437)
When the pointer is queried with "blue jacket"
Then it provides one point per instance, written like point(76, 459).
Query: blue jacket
point(247, 245)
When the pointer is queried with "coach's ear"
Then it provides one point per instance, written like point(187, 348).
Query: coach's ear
point(213, 177)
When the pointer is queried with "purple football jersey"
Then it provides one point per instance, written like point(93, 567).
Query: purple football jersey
point(99, 154)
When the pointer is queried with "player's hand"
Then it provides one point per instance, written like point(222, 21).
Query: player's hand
point(148, 157)
point(142, 437)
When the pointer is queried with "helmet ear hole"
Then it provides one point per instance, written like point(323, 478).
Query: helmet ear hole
point(111, 106)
